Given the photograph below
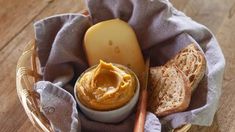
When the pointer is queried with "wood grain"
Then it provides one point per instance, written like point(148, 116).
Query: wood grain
point(210, 14)
point(12, 116)
point(219, 18)
point(225, 36)
point(15, 15)
point(16, 29)
point(180, 4)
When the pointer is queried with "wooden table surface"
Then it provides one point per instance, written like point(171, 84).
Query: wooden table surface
point(16, 29)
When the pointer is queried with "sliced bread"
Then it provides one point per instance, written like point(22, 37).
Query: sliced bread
point(191, 62)
point(155, 76)
point(170, 91)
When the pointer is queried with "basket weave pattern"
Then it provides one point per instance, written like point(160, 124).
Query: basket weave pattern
point(26, 76)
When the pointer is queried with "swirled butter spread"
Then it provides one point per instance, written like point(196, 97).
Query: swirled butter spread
point(106, 87)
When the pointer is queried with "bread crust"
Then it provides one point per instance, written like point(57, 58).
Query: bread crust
point(154, 99)
point(186, 99)
point(192, 62)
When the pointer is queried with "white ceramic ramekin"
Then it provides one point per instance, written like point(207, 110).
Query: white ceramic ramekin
point(112, 116)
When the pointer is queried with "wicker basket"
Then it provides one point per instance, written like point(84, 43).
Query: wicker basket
point(26, 75)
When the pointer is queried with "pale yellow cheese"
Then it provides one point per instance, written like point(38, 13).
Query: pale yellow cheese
point(113, 41)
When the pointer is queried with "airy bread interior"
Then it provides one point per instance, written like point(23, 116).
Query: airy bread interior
point(172, 84)
point(192, 63)
point(171, 93)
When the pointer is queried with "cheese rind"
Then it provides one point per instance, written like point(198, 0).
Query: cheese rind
point(113, 41)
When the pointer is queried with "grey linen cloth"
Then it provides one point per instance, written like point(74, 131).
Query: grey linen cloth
point(161, 30)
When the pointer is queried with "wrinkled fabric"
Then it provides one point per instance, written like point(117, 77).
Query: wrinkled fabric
point(55, 101)
point(162, 31)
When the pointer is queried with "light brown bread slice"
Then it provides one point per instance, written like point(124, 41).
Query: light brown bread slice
point(191, 62)
point(170, 93)
point(155, 76)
